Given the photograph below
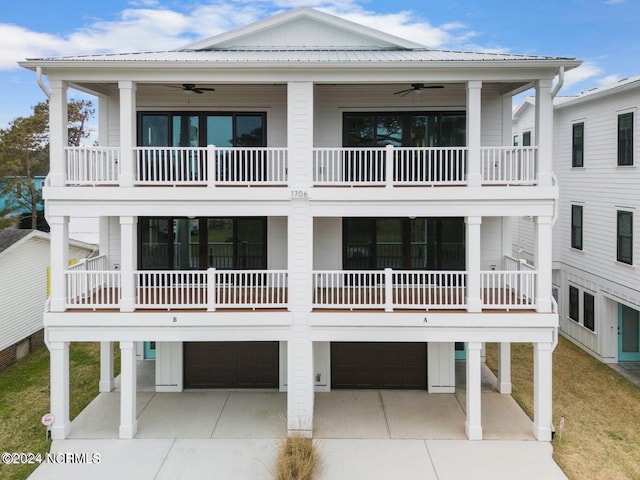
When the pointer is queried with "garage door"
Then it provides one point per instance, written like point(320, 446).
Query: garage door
point(231, 364)
point(379, 365)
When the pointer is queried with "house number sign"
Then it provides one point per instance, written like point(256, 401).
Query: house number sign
point(299, 194)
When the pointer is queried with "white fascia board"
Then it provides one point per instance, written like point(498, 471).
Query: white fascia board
point(441, 334)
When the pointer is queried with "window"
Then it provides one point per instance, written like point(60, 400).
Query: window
point(200, 243)
point(515, 140)
point(576, 226)
point(574, 306)
point(526, 139)
point(625, 237)
point(402, 243)
point(577, 145)
point(625, 139)
point(589, 311)
point(410, 129)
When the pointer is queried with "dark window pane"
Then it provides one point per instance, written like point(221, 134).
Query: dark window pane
point(515, 140)
point(526, 139)
point(389, 243)
point(454, 130)
point(574, 308)
point(154, 243)
point(625, 139)
point(154, 130)
point(186, 131)
point(186, 244)
point(359, 243)
point(577, 151)
point(220, 130)
point(576, 226)
point(220, 243)
point(589, 311)
point(630, 325)
point(358, 130)
point(389, 130)
point(250, 131)
point(251, 243)
point(625, 237)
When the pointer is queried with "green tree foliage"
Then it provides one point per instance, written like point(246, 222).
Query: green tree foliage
point(24, 154)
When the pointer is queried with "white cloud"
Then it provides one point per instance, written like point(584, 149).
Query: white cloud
point(584, 72)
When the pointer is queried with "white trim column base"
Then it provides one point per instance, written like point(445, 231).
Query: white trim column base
point(59, 378)
point(473, 423)
point(300, 388)
point(504, 368)
point(106, 367)
point(128, 387)
point(542, 391)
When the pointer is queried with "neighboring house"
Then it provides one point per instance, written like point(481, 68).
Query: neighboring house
point(303, 204)
point(24, 259)
point(595, 275)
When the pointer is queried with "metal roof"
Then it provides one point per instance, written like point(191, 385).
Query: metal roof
point(300, 56)
point(609, 89)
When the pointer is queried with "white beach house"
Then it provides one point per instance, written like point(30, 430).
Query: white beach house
point(303, 204)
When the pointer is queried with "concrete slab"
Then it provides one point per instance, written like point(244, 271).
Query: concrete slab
point(349, 414)
point(253, 415)
point(416, 414)
point(171, 415)
point(246, 459)
point(503, 419)
point(122, 459)
point(375, 460)
point(101, 418)
point(490, 460)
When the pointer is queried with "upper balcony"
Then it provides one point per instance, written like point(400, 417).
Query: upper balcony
point(332, 167)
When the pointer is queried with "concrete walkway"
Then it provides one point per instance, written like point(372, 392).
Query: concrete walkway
point(372, 434)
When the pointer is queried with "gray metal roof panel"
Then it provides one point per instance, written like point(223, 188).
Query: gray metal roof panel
point(298, 56)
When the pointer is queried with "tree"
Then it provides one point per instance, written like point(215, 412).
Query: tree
point(24, 154)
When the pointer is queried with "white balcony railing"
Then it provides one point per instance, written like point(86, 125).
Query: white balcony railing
point(508, 289)
point(92, 165)
point(335, 166)
point(508, 165)
point(389, 289)
point(247, 289)
point(92, 289)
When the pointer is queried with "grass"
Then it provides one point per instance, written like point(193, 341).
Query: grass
point(601, 436)
point(24, 398)
point(297, 459)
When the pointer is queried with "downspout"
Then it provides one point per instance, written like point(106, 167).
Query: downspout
point(41, 84)
point(554, 307)
point(560, 83)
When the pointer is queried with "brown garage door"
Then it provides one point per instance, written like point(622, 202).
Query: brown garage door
point(379, 365)
point(231, 364)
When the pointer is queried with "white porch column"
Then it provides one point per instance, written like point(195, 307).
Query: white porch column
point(474, 91)
point(473, 424)
point(128, 381)
point(504, 368)
point(59, 377)
point(59, 136)
point(106, 366)
point(542, 391)
point(127, 131)
point(59, 248)
point(128, 260)
point(544, 131)
point(507, 120)
point(300, 389)
point(474, 300)
point(543, 260)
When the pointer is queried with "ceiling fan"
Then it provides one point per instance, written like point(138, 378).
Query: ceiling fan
point(416, 88)
point(192, 88)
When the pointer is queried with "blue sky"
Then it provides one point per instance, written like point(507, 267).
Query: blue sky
point(601, 33)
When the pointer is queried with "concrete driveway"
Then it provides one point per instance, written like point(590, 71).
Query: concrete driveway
point(372, 434)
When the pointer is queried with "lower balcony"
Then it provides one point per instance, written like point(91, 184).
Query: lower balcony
point(91, 288)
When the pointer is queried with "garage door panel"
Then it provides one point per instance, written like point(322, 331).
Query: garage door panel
point(231, 364)
point(378, 365)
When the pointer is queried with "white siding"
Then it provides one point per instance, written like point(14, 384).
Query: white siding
point(277, 243)
point(23, 269)
point(491, 243)
point(602, 188)
point(114, 242)
point(327, 243)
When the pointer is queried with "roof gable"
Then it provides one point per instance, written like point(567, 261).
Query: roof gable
point(304, 28)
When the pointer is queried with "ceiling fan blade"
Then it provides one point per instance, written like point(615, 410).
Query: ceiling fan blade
point(432, 86)
point(404, 91)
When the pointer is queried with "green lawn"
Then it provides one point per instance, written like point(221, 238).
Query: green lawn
point(601, 437)
point(24, 398)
